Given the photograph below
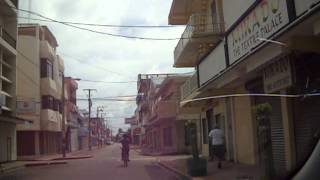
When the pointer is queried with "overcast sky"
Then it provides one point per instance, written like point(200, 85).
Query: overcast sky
point(98, 57)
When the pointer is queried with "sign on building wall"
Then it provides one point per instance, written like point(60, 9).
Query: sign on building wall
point(267, 18)
point(26, 107)
point(277, 75)
point(137, 131)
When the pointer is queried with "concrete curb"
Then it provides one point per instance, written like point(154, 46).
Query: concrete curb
point(10, 169)
point(45, 163)
point(176, 171)
point(73, 157)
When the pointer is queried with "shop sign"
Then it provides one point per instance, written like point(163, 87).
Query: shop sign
point(127, 120)
point(26, 107)
point(137, 131)
point(131, 120)
point(277, 76)
point(266, 19)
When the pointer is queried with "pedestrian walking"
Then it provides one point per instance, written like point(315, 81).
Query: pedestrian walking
point(217, 137)
point(125, 142)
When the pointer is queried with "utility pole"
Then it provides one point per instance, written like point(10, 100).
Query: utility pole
point(89, 105)
point(99, 109)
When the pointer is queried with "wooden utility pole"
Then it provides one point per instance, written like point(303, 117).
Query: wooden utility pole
point(89, 106)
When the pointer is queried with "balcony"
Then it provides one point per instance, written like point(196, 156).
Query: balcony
point(164, 110)
point(197, 39)
point(46, 51)
point(182, 9)
point(189, 86)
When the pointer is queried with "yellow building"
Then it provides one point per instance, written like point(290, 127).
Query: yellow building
point(8, 53)
point(39, 88)
point(248, 58)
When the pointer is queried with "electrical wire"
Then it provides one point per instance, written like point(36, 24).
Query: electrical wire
point(92, 65)
point(105, 99)
point(86, 80)
point(251, 94)
point(112, 82)
point(106, 33)
point(104, 25)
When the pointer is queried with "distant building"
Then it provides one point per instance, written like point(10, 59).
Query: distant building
point(159, 120)
point(72, 114)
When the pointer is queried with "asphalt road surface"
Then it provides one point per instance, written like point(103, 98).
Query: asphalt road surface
point(106, 164)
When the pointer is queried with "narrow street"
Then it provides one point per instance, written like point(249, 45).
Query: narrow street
point(105, 164)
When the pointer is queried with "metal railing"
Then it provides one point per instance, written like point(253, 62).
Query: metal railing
point(7, 37)
point(200, 25)
point(189, 86)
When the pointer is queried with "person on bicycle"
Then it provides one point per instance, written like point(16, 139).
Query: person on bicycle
point(125, 142)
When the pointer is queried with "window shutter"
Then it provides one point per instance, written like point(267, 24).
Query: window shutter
point(43, 67)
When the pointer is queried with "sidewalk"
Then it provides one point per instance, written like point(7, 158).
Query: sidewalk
point(54, 159)
point(229, 170)
point(81, 154)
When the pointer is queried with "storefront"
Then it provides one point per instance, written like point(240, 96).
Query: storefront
point(306, 109)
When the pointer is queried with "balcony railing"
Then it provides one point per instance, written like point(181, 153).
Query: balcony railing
point(189, 86)
point(200, 29)
point(7, 37)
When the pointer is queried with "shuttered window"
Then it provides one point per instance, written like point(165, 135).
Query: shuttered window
point(47, 102)
point(46, 68)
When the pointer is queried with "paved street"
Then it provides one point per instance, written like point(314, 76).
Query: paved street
point(106, 164)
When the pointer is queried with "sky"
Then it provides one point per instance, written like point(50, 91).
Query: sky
point(92, 56)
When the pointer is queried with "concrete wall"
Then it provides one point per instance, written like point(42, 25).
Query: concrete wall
point(244, 130)
point(232, 10)
point(28, 79)
point(302, 6)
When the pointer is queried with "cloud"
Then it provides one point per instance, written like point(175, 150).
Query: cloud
point(99, 57)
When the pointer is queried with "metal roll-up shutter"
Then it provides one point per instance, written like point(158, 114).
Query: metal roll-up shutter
point(306, 126)
point(277, 137)
point(278, 159)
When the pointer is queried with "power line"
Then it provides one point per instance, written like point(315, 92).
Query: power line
point(107, 99)
point(108, 34)
point(98, 67)
point(115, 82)
point(104, 25)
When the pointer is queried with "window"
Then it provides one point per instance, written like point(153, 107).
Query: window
point(60, 74)
point(46, 68)
point(60, 107)
point(56, 104)
point(47, 102)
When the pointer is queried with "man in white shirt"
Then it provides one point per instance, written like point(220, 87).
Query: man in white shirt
point(217, 137)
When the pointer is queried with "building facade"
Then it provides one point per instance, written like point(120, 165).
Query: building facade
point(39, 91)
point(262, 54)
point(72, 114)
point(8, 53)
point(162, 118)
